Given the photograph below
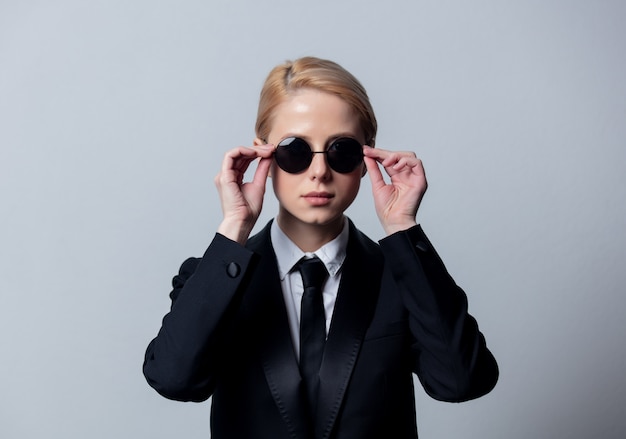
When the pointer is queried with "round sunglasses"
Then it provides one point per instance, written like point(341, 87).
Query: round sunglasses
point(294, 155)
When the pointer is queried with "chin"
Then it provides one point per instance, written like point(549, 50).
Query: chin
point(324, 220)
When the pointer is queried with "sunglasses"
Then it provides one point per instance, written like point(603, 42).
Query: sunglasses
point(294, 155)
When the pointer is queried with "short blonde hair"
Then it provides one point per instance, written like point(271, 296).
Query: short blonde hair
point(318, 74)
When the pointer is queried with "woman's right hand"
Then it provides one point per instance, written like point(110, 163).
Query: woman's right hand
point(242, 201)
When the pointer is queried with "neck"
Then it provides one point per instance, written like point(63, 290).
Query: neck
point(309, 237)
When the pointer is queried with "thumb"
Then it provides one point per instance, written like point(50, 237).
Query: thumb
point(376, 176)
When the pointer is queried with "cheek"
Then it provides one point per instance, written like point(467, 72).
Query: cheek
point(282, 182)
point(352, 183)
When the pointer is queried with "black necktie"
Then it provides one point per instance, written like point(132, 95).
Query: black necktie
point(312, 325)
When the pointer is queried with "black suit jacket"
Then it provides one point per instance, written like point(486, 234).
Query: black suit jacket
point(397, 312)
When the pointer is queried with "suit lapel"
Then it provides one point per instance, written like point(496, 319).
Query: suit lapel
point(354, 308)
point(356, 301)
point(274, 339)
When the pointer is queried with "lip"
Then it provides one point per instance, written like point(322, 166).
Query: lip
point(318, 198)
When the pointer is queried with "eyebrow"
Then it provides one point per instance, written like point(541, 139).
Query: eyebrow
point(329, 139)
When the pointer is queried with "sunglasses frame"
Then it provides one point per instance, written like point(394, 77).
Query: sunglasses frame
point(330, 159)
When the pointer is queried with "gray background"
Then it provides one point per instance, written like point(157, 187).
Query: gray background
point(114, 116)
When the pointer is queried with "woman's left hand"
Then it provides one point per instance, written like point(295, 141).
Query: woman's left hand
point(396, 202)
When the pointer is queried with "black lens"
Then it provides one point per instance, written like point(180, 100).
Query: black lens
point(344, 155)
point(293, 155)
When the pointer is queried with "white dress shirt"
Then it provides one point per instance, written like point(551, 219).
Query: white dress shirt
point(332, 254)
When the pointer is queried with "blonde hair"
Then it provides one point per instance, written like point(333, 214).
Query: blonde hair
point(318, 74)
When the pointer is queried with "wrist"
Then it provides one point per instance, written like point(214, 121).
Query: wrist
point(390, 229)
point(235, 231)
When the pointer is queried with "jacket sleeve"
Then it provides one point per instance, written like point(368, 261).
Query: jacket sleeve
point(450, 356)
point(182, 360)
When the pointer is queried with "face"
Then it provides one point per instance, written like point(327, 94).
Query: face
point(317, 196)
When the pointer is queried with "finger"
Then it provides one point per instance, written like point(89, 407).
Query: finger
point(264, 154)
point(265, 150)
point(233, 167)
point(239, 159)
point(389, 159)
point(399, 157)
point(395, 165)
point(406, 162)
point(233, 157)
point(375, 153)
point(262, 171)
point(376, 176)
point(250, 152)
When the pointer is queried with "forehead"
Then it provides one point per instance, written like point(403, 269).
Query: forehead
point(313, 113)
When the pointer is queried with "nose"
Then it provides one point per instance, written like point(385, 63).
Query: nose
point(319, 168)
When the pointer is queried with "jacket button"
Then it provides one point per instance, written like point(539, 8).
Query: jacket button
point(421, 245)
point(233, 269)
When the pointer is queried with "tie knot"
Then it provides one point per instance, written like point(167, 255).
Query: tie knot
point(313, 272)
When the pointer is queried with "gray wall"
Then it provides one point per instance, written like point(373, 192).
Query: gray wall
point(114, 116)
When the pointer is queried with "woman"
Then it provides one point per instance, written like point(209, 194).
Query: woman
point(283, 358)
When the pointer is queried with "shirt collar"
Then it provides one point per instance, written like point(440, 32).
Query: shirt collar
point(332, 254)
